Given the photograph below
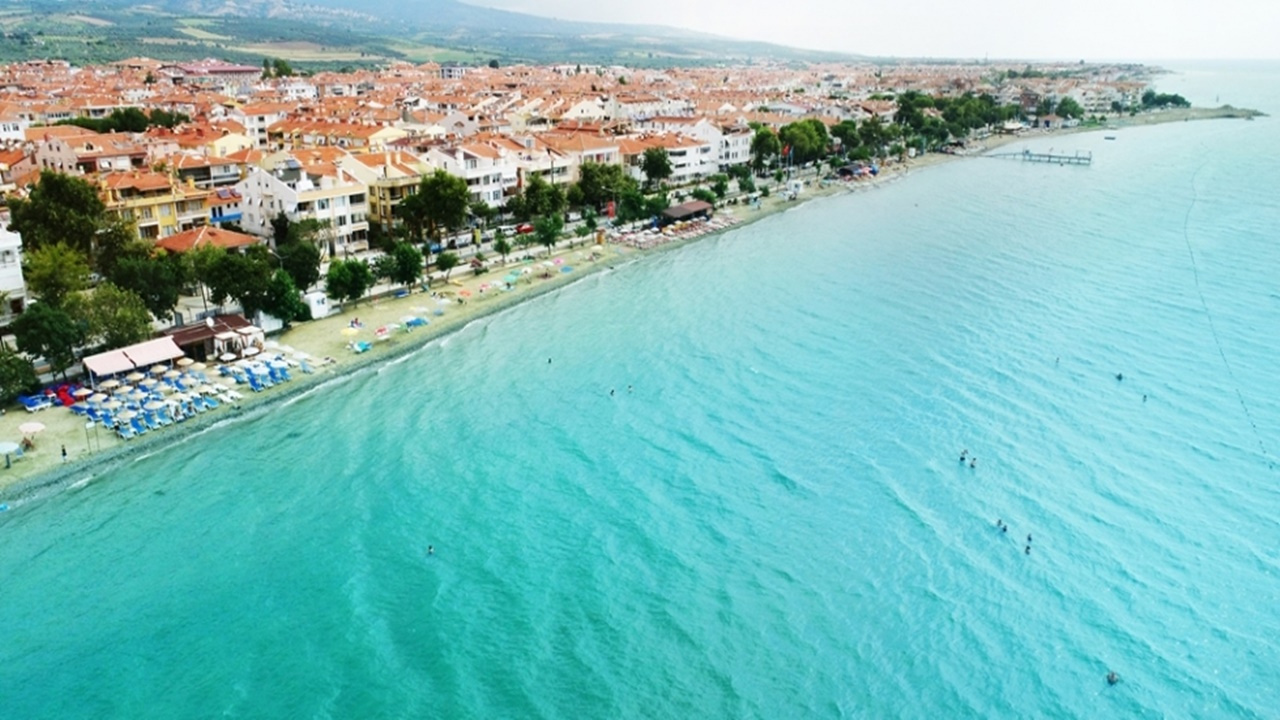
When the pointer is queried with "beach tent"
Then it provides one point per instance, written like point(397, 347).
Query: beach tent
point(124, 359)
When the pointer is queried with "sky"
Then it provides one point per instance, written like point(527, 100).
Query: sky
point(1091, 30)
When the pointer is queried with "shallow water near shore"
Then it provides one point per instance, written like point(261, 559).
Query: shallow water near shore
point(734, 490)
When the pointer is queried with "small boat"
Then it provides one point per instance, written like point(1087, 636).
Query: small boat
point(1108, 137)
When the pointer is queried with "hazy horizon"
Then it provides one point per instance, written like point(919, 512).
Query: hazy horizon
point(1006, 30)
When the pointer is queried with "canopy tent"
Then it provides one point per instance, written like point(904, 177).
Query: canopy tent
point(113, 362)
point(108, 363)
point(153, 351)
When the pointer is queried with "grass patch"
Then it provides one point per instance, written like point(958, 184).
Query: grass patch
point(96, 22)
point(303, 51)
point(202, 34)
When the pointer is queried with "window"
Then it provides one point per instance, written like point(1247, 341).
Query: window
point(322, 204)
point(146, 213)
point(342, 220)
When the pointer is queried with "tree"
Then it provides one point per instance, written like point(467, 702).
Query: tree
point(441, 202)
point(281, 67)
point(631, 205)
point(446, 262)
point(302, 261)
point(407, 264)
point(807, 139)
point(283, 300)
point(493, 64)
point(720, 185)
point(48, 331)
point(242, 277)
point(17, 376)
point(846, 131)
point(547, 230)
point(764, 147)
point(501, 245)
point(112, 317)
point(53, 272)
point(60, 209)
point(656, 164)
point(280, 228)
point(655, 204)
point(542, 198)
point(155, 276)
point(1069, 108)
point(482, 212)
point(601, 183)
point(704, 195)
point(348, 280)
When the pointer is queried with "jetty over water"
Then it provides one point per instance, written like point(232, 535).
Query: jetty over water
point(1078, 158)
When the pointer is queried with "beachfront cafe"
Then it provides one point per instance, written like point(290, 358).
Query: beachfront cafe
point(230, 336)
point(692, 210)
point(128, 359)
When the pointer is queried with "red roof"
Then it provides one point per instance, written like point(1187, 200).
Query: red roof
point(206, 235)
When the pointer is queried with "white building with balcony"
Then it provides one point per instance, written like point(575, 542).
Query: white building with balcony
point(339, 201)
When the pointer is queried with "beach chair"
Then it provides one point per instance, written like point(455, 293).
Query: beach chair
point(211, 404)
point(150, 421)
point(35, 403)
point(138, 425)
point(125, 432)
point(305, 367)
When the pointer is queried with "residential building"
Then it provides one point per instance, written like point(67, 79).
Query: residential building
point(323, 192)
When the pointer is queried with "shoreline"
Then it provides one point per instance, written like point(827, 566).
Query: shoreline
point(41, 474)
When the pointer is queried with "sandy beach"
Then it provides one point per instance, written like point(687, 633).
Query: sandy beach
point(91, 450)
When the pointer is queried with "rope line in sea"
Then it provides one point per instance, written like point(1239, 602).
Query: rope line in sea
point(1213, 328)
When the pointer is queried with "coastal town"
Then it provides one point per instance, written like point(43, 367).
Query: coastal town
point(176, 234)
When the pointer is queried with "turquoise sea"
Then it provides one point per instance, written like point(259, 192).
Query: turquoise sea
point(766, 517)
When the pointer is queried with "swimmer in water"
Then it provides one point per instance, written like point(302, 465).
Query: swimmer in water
point(1112, 678)
point(1028, 549)
point(963, 453)
point(1119, 376)
point(1144, 398)
point(973, 463)
point(611, 391)
point(431, 549)
point(1028, 538)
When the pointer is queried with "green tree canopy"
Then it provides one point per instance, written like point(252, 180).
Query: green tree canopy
point(547, 230)
point(242, 277)
point(60, 209)
point(542, 198)
point(764, 147)
point(348, 280)
point(446, 262)
point(301, 259)
point(53, 272)
point(406, 265)
point(656, 164)
point(48, 331)
point(600, 183)
point(17, 376)
point(112, 316)
point(807, 140)
point(440, 203)
point(155, 276)
point(283, 300)
point(502, 245)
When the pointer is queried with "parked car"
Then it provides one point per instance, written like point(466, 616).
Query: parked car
point(524, 228)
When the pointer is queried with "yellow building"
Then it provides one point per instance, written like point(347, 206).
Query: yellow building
point(391, 177)
point(157, 205)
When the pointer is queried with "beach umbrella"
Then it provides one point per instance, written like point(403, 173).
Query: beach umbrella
point(134, 376)
point(198, 366)
point(172, 375)
point(8, 448)
point(113, 404)
point(82, 392)
point(301, 355)
point(250, 351)
point(227, 357)
point(30, 428)
point(184, 362)
point(109, 384)
point(153, 406)
point(128, 415)
point(150, 382)
point(260, 370)
point(96, 398)
point(159, 369)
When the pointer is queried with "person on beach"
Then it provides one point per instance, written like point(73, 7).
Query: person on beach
point(64, 453)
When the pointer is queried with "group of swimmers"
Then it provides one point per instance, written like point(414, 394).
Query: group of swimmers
point(973, 459)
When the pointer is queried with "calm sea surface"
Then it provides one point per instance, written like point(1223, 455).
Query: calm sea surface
point(768, 519)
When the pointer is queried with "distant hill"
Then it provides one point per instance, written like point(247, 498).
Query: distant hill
point(337, 33)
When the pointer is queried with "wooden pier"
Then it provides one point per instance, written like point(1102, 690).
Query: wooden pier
point(1079, 158)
